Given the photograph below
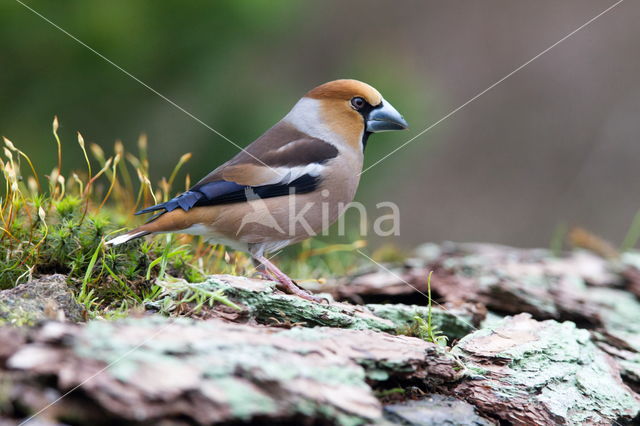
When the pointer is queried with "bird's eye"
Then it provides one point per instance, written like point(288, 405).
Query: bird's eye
point(357, 103)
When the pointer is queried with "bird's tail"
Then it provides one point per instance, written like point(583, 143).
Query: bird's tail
point(131, 235)
point(173, 221)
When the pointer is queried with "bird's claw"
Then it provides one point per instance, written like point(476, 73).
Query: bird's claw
point(293, 288)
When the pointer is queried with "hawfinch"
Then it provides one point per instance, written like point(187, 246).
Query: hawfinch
point(289, 184)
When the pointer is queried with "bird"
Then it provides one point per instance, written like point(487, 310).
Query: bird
point(288, 185)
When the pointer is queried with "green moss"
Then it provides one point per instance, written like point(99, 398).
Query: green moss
point(452, 324)
point(266, 306)
point(65, 243)
point(389, 392)
point(16, 316)
point(59, 225)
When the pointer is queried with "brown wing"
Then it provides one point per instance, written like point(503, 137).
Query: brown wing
point(282, 146)
point(279, 161)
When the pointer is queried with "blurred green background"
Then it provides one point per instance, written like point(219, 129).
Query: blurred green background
point(555, 143)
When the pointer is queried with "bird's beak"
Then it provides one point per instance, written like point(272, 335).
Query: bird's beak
point(385, 117)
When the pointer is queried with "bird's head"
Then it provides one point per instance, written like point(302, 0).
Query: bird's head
point(349, 108)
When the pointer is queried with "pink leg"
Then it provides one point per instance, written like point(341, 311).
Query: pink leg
point(286, 282)
point(261, 270)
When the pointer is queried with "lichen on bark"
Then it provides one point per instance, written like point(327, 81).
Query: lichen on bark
point(543, 372)
point(255, 354)
point(213, 371)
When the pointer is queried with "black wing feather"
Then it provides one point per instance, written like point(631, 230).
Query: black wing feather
point(225, 192)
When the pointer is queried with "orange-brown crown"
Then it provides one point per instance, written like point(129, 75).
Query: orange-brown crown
point(344, 90)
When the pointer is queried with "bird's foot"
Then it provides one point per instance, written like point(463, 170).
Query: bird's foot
point(286, 282)
point(262, 275)
point(291, 287)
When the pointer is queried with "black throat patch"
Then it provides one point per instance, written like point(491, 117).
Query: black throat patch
point(364, 112)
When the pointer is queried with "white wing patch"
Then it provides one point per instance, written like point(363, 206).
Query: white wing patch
point(289, 174)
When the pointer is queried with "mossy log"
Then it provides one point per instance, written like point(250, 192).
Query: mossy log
point(593, 292)
point(153, 369)
point(259, 301)
point(543, 372)
point(212, 371)
point(259, 355)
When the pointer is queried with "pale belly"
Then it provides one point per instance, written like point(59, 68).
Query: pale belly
point(291, 218)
